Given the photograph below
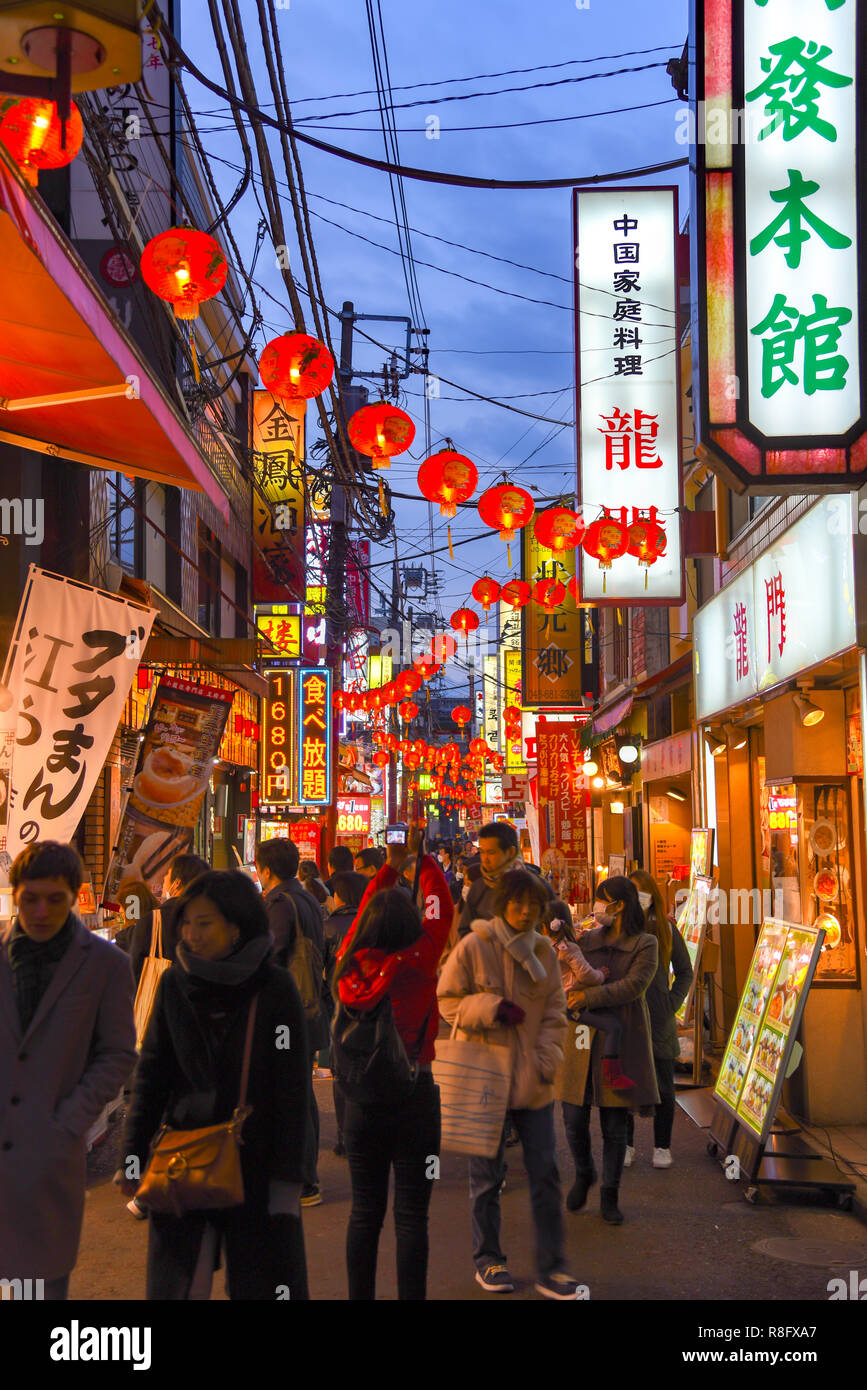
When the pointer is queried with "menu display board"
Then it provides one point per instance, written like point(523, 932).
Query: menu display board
point(757, 1054)
point(692, 925)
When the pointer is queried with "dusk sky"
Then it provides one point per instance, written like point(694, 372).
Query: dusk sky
point(496, 341)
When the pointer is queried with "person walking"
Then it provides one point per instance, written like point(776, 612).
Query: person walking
point(182, 870)
point(391, 953)
point(367, 862)
point(664, 997)
point(629, 953)
point(498, 853)
point(290, 909)
point(189, 1076)
point(308, 877)
point(67, 1045)
point(502, 983)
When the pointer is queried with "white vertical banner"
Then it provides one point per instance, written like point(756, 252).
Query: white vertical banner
point(627, 374)
point(69, 669)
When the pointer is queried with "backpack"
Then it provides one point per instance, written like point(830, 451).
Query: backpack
point(369, 1057)
point(305, 965)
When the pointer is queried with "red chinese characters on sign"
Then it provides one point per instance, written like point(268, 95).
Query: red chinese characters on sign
point(314, 736)
point(775, 595)
point(563, 792)
point(630, 442)
point(742, 659)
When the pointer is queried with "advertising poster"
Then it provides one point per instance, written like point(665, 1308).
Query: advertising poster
point(562, 808)
point(68, 672)
point(181, 739)
point(757, 1053)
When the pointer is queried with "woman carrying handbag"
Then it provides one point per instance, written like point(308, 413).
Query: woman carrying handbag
point(222, 999)
point(387, 967)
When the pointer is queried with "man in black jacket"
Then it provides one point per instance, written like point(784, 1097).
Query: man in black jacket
point(179, 875)
point(286, 904)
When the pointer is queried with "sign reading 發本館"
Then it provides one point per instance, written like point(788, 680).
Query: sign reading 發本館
point(628, 393)
point(779, 367)
point(791, 609)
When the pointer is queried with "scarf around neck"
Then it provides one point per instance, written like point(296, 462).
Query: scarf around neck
point(231, 971)
point(521, 945)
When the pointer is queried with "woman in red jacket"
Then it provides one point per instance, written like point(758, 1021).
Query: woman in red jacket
point(391, 949)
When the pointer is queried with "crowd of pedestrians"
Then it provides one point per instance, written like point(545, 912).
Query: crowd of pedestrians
point(348, 975)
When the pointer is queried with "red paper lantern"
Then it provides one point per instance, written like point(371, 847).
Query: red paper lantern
point(390, 693)
point(443, 648)
point(647, 541)
point(479, 747)
point(408, 710)
point(381, 759)
point(31, 131)
point(549, 593)
point(606, 540)
point(516, 593)
point(486, 591)
point(185, 267)
point(464, 620)
point(296, 367)
point(391, 742)
point(506, 508)
point(408, 682)
point(340, 699)
point(574, 587)
point(461, 715)
point(412, 761)
point(559, 529)
point(404, 746)
point(380, 431)
point(447, 478)
point(426, 667)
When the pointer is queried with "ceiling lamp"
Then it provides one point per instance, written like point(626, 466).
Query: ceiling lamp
point(676, 794)
point(809, 713)
point(296, 368)
point(599, 783)
point(31, 130)
point(184, 267)
point(628, 752)
point(716, 741)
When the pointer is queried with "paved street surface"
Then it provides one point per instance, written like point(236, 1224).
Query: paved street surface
point(688, 1234)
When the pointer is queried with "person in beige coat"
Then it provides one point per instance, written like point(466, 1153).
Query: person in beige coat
point(501, 985)
point(67, 1044)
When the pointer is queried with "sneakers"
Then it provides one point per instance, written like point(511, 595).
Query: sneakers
point(662, 1158)
point(311, 1195)
point(630, 1154)
point(137, 1211)
point(559, 1286)
point(497, 1279)
point(322, 1074)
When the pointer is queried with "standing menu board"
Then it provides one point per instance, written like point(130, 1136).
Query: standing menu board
point(692, 925)
point(757, 1054)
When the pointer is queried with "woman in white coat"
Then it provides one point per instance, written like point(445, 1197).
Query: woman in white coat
point(501, 985)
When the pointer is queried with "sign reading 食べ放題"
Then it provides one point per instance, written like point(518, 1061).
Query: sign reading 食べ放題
point(780, 366)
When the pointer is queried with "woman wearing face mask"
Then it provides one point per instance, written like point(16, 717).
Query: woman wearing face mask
point(501, 985)
point(189, 1076)
point(664, 998)
point(620, 943)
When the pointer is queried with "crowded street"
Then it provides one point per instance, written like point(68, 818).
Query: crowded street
point(433, 624)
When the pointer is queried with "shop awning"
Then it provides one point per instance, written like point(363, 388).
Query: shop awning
point(59, 338)
point(610, 718)
point(671, 677)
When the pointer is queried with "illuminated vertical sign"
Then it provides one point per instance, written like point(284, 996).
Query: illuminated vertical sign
point(278, 501)
point(551, 640)
point(779, 366)
point(279, 781)
point(627, 364)
point(512, 696)
point(491, 691)
point(314, 736)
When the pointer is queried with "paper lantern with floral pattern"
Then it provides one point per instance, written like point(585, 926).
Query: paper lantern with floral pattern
point(380, 431)
point(296, 368)
point(185, 267)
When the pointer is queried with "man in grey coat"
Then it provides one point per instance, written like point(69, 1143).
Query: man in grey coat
point(67, 1044)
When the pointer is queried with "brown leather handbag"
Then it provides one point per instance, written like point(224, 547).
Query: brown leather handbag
point(199, 1169)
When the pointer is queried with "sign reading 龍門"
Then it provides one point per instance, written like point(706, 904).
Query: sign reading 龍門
point(314, 736)
point(628, 394)
point(779, 371)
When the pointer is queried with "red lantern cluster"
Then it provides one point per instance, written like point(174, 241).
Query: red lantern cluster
point(185, 267)
point(296, 368)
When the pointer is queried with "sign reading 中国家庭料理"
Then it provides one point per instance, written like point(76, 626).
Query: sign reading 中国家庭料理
point(628, 393)
point(789, 610)
point(778, 373)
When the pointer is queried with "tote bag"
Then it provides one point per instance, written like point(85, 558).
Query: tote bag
point(152, 969)
point(474, 1080)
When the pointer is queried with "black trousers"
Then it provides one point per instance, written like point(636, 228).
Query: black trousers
point(663, 1114)
point(406, 1138)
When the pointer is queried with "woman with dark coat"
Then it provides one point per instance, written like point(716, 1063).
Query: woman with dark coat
point(664, 997)
point(621, 944)
point(189, 1076)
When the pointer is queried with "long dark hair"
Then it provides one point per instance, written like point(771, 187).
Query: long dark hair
point(622, 890)
point(655, 916)
point(391, 922)
point(232, 893)
point(559, 911)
